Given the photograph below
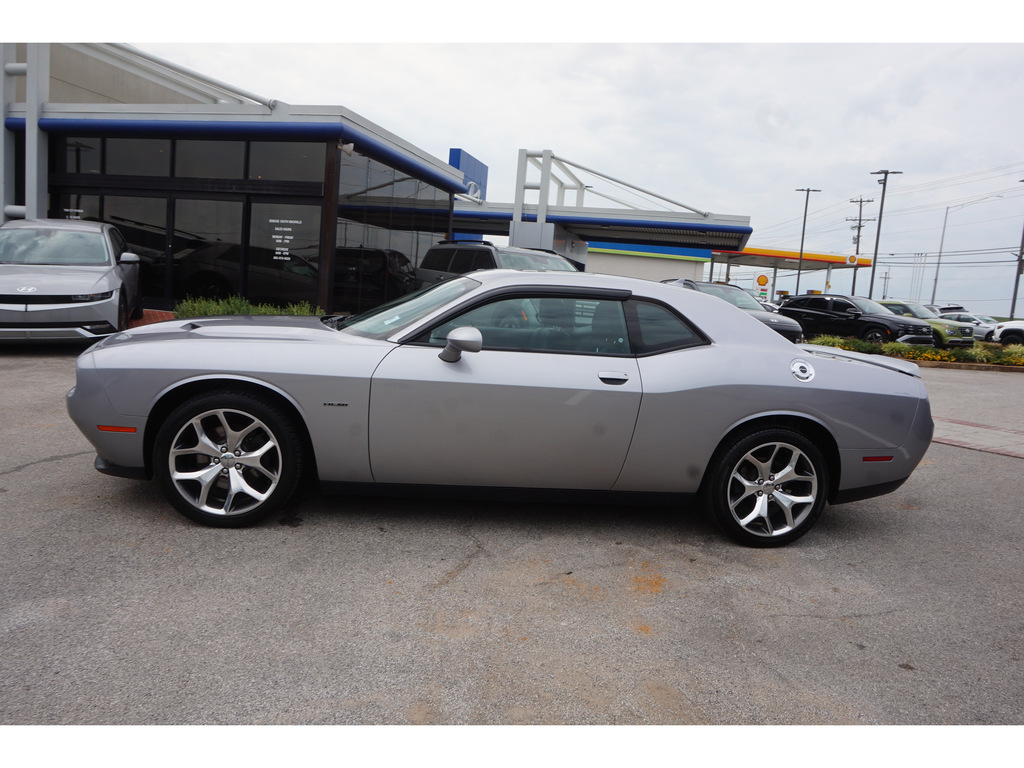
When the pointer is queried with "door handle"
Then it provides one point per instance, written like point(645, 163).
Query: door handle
point(613, 377)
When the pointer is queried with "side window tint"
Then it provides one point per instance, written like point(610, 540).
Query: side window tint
point(841, 305)
point(544, 324)
point(482, 260)
point(660, 329)
point(437, 259)
point(821, 304)
point(120, 246)
point(463, 261)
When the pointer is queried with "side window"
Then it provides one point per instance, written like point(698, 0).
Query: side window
point(463, 261)
point(659, 329)
point(820, 304)
point(437, 259)
point(544, 324)
point(841, 305)
point(482, 260)
point(120, 246)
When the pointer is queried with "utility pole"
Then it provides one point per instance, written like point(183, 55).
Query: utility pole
point(856, 238)
point(878, 230)
point(1017, 274)
point(803, 231)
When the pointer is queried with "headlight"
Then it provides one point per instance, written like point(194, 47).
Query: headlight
point(950, 329)
point(92, 296)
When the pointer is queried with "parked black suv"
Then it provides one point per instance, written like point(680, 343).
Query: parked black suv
point(457, 257)
point(854, 316)
point(736, 296)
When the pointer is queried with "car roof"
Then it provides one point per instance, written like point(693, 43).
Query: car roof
point(69, 225)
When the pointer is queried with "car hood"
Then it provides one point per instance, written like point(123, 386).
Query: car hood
point(910, 321)
point(228, 328)
point(49, 281)
point(879, 361)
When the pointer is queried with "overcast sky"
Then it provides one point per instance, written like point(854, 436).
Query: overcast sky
point(734, 128)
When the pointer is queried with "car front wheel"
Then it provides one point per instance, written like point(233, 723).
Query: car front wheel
point(875, 336)
point(768, 487)
point(228, 459)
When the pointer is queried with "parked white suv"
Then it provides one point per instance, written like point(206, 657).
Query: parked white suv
point(457, 257)
point(1009, 332)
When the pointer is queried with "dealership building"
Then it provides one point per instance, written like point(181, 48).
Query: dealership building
point(220, 191)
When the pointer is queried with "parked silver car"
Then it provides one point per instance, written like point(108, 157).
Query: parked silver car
point(506, 380)
point(984, 326)
point(65, 280)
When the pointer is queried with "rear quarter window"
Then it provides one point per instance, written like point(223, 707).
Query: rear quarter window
point(657, 328)
point(437, 259)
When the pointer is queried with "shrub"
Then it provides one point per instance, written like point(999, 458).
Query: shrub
point(236, 305)
point(990, 354)
point(854, 345)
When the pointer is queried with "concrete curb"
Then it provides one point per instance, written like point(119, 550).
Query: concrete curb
point(968, 366)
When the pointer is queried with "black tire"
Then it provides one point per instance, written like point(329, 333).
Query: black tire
point(937, 340)
point(1011, 338)
point(246, 466)
point(137, 309)
point(122, 314)
point(767, 488)
point(875, 335)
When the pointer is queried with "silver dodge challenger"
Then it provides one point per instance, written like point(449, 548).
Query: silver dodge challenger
point(513, 381)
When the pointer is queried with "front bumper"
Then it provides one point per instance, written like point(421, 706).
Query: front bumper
point(59, 322)
point(915, 338)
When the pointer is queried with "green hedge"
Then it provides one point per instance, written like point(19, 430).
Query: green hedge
point(987, 354)
point(236, 305)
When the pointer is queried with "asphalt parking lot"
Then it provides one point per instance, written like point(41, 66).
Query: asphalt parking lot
point(907, 609)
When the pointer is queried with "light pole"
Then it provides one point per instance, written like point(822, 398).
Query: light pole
point(1020, 268)
point(878, 230)
point(942, 239)
point(803, 231)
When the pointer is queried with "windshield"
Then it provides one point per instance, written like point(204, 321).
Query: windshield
point(869, 307)
point(920, 311)
point(52, 247)
point(538, 260)
point(387, 319)
point(733, 295)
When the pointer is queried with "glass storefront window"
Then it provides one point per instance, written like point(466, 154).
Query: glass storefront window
point(84, 207)
point(143, 222)
point(81, 155)
point(209, 159)
point(284, 253)
point(287, 161)
point(207, 248)
point(138, 157)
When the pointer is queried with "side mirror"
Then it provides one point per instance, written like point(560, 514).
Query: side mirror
point(128, 258)
point(464, 339)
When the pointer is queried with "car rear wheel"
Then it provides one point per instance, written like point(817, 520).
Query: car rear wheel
point(768, 487)
point(228, 459)
point(875, 335)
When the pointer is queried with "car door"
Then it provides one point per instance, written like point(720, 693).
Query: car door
point(812, 314)
point(843, 319)
point(540, 406)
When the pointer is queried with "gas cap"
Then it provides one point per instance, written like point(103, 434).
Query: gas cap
point(802, 370)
